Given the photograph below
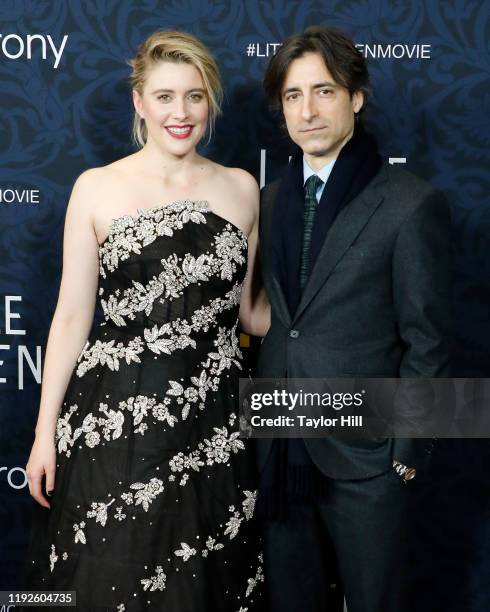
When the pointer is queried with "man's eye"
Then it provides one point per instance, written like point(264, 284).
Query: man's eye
point(292, 97)
point(326, 92)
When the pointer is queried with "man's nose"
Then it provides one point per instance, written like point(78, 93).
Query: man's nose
point(308, 109)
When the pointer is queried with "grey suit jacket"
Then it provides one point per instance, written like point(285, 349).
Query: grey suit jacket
point(377, 304)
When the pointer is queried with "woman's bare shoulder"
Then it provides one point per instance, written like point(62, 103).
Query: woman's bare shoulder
point(96, 181)
point(241, 182)
point(237, 196)
point(244, 179)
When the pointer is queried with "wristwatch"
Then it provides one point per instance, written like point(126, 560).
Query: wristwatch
point(406, 473)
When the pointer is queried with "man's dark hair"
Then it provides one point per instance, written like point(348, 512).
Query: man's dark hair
point(345, 63)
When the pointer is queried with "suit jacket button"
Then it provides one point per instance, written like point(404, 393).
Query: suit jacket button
point(294, 333)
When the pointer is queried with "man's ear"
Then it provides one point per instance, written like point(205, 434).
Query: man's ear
point(357, 101)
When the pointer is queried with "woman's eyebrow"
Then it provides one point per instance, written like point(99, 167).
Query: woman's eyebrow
point(198, 89)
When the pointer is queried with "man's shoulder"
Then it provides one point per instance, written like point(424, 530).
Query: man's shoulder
point(405, 187)
point(404, 193)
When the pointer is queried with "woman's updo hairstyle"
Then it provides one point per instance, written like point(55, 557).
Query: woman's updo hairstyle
point(178, 47)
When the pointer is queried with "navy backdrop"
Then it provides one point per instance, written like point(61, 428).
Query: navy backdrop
point(66, 106)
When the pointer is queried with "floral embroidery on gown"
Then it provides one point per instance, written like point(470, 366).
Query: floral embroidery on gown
point(155, 491)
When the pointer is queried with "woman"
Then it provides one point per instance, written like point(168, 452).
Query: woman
point(151, 492)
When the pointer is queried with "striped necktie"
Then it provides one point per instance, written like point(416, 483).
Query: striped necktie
point(311, 187)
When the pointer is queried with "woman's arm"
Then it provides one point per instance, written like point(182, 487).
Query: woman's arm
point(69, 329)
point(255, 310)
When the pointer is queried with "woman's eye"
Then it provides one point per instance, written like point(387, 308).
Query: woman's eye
point(196, 97)
point(164, 97)
point(292, 97)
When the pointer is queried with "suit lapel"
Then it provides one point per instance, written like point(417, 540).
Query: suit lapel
point(349, 223)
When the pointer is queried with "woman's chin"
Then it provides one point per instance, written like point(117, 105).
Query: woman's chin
point(177, 146)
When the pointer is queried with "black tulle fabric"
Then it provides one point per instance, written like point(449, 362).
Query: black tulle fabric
point(155, 491)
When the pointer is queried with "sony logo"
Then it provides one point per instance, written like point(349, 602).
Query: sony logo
point(14, 46)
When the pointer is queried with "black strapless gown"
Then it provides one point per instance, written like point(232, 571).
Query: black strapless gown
point(155, 491)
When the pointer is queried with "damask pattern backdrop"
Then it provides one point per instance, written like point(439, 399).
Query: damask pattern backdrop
point(66, 106)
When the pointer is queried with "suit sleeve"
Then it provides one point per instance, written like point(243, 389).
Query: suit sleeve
point(268, 195)
point(422, 288)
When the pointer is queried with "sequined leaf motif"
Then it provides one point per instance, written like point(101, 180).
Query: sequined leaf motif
point(248, 504)
point(186, 552)
point(196, 269)
point(175, 388)
point(146, 493)
point(116, 310)
point(53, 557)
point(156, 582)
point(99, 512)
point(185, 411)
point(233, 525)
point(259, 577)
point(213, 545)
point(79, 533)
point(193, 215)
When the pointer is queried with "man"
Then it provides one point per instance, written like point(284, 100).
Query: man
point(356, 266)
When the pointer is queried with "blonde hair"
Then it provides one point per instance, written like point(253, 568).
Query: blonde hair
point(173, 46)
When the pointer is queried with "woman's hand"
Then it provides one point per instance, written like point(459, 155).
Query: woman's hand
point(42, 461)
point(256, 319)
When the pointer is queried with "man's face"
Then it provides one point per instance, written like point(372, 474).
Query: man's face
point(319, 112)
